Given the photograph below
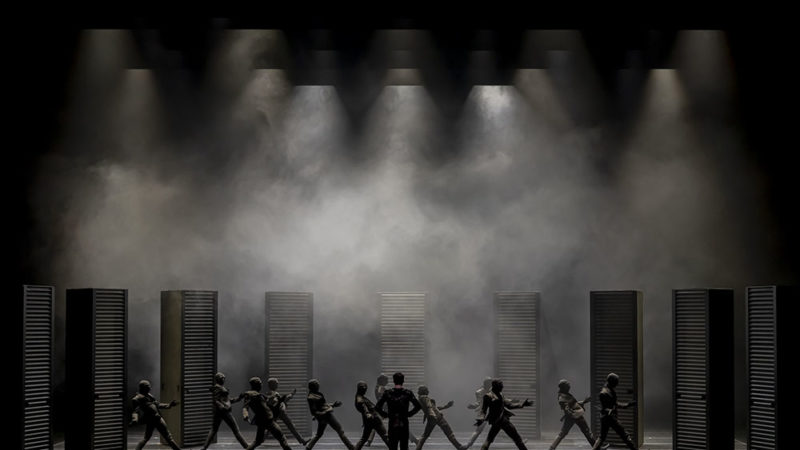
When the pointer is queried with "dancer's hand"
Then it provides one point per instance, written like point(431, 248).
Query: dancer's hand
point(337, 404)
point(449, 404)
point(527, 402)
point(471, 406)
point(478, 422)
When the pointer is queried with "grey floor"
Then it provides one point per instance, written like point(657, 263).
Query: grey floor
point(330, 441)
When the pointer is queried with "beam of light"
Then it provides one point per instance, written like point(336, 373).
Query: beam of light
point(103, 54)
point(705, 66)
point(402, 59)
point(96, 80)
point(493, 101)
point(314, 132)
point(570, 70)
point(493, 127)
point(537, 44)
point(401, 124)
point(240, 51)
point(665, 174)
point(137, 123)
point(284, 221)
point(662, 128)
point(403, 77)
point(673, 220)
point(537, 87)
point(403, 54)
point(262, 98)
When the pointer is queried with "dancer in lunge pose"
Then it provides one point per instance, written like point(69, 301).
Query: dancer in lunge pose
point(433, 417)
point(495, 410)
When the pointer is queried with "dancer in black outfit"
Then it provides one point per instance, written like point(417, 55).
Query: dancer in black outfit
point(479, 393)
point(146, 409)
point(495, 411)
point(433, 417)
point(323, 413)
point(263, 417)
point(279, 410)
point(573, 414)
point(370, 418)
point(608, 414)
point(222, 411)
point(397, 401)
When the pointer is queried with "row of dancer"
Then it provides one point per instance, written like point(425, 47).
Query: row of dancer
point(267, 408)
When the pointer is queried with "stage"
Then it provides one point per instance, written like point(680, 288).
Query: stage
point(574, 441)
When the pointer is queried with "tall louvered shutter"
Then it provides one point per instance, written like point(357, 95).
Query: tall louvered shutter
point(690, 350)
point(199, 364)
point(403, 346)
point(703, 363)
point(289, 335)
point(96, 368)
point(762, 367)
point(110, 368)
point(616, 346)
point(517, 357)
point(188, 362)
point(37, 366)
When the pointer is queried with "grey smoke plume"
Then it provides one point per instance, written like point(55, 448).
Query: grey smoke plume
point(243, 183)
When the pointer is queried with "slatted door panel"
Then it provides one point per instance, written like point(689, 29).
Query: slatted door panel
point(616, 346)
point(289, 335)
point(761, 366)
point(517, 355)
point(199, 364)
point(37, 366)
point(110, 368)
point(690, 345)
point(403, 346)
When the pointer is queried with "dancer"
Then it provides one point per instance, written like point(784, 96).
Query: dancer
point(146, 409)
point(263, 417)
point(279, 410)
point(323, 413)
point(370, 418)
point(573, 414)
point(380, 386)
point(433, 417)
point(608, 413)
point(483, 390)
point(222, 411)
point(495, 410)
point(397, 400)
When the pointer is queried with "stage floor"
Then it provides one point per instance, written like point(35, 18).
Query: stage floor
point(225, 441)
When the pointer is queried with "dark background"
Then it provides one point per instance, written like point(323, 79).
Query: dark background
point(41, 59)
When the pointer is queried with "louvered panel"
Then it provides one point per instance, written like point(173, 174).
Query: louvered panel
point(109, 369)
point(188, 362)
point(616, 347)
point(289, 347)
point(37, 366)
point(517, 355)
point(690, 317)
point(403, 346)
point(199, 365)
point(762, 370)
